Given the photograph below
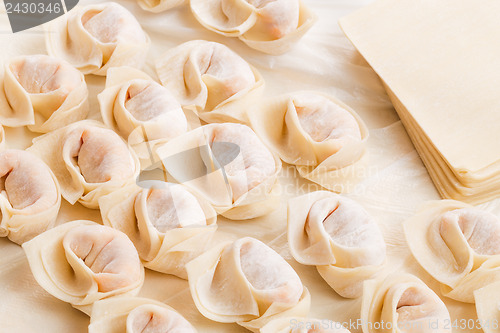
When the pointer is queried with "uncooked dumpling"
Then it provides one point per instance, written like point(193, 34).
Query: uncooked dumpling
point(210, 78)
point(88, 160)
point(458, 245)
point(246, 282)
point(136, 315)
point(80, 262)
point(97, 37)
point(270, 26)
point(30, 197)
point(402, 303)
point(303, 325)
point(142, 111)
point(168, 225)
point(488, 307)
point(42, 92)
point(338, 236)
point(323, 137)
point(229, 166)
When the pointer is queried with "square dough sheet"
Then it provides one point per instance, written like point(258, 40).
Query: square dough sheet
point(396, 181)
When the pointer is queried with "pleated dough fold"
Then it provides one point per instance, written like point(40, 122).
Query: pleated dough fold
point(402, 303)
point(269, 26)
point(228, 166)
point(157, 6)
point(30, 198)
point(136, 315)
point(246, 282)
point(488, 307)
point(336, 235)
point(458, 245)
point(41, 92)
point(88, 160)
point(142, 111)
point(168, 225)
point(323, 137)
point(303, 325)
point(211, 79)
point(97, 37)
point(81, 262)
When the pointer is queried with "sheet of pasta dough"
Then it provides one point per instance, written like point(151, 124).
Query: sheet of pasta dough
point(396, 182)
point(438, 59)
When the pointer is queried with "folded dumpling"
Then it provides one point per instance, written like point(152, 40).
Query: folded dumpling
point(270, 26)
point(97, 37)
point(41, 92)
point(88, 160)
point(157, 6)
point(458, 244)
point(323, 137)
point(168, 225)
point(246, 282)
point(488, 307)
point(142, 111)
point(227, 165)
point(81, 262)
point(30, 197)
point(136, 315)
point(339, 237)
point(402, 303)
point(211, 79)
point(303, 325)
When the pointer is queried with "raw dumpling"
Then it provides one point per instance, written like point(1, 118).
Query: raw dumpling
point(338, 236)
point(140, 110)
point(458, 245)
point(41, 92)
point(228, 165)
point(88, 159)
point(168, 225)
point(97, 37)
point(81, 262)
point(303, 325)
point(157, 6)
point(30, 197)
point(246, 282)
point(402, 303)
point(136, 315)
point(323, 137)
point(210, 78)
point(488, 307)
point(270, 26)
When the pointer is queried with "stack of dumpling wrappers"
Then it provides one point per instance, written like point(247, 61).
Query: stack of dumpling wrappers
point(442, 72)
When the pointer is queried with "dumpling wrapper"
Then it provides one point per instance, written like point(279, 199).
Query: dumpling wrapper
point(41, 92)
point(246, 282)
point(269, 26)
point(157, 6)
point(97, 37)
point(81, 262)
point(487, 301)
point(402, 303)
point(88, 160)
point(457, 244)
point(30, 196)
point(142, 111)
point(303, 325)
point(336, 235)
point(168, 225)
point(322, 136)
point(136, 315)
point(211, 79)
point(228, 166)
